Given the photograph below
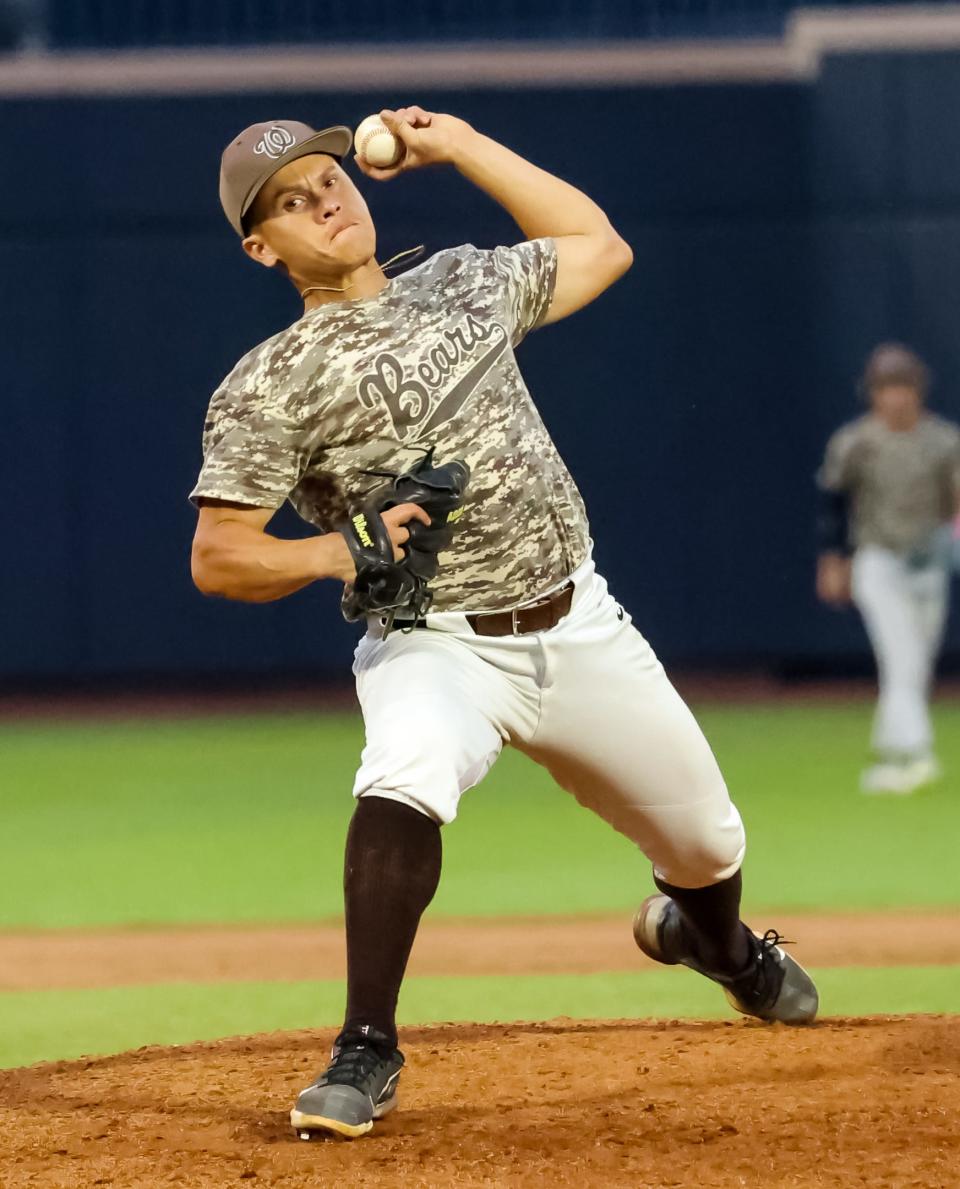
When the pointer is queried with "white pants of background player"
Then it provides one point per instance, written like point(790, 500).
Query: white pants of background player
point(904, 609)
point(588, 700)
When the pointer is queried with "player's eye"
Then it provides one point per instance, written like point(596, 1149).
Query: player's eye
point(293, 202)
point(329, 182)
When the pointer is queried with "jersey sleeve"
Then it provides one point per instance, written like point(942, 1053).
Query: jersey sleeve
point(527, 274)
point(838, 471)
point(254, 450)
point(953, 469)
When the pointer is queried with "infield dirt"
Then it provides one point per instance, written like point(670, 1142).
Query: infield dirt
point(870, 1102)
point(31, 960)
point(865, 1103)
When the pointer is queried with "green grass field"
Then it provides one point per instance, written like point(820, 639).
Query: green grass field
point(242, 819)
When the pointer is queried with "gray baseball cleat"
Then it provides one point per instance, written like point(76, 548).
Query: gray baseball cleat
point(357, 1087)
point(773, 986)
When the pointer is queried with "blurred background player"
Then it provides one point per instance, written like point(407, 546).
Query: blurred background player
point(890, 506)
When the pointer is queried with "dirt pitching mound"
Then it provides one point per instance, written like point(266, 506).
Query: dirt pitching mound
point(872, 1102)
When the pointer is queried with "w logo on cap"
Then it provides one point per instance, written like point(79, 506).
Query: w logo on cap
point(275, 142)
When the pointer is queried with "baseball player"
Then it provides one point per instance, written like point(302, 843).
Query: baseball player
point(393, 416)
point(889, 531)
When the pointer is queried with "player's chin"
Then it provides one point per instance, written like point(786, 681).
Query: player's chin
point(355, 243)
point(352, 247)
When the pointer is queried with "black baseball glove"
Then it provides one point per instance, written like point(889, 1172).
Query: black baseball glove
point(392, 588)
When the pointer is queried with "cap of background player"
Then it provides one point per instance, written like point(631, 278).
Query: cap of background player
point(253, 157)
point(894, 363)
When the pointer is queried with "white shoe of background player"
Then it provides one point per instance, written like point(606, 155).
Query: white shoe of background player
point(900, 777)
point(921, 771)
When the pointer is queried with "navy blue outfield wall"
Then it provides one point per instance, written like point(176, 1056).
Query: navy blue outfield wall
point(779, 231)
point(107, 23)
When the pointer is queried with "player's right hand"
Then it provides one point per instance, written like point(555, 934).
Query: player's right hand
point(396, 521)
point(833, 579)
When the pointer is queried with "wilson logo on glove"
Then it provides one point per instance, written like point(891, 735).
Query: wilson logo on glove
point(359, 523)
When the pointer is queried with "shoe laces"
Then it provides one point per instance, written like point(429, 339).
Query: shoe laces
point(772, 938)
point(355, 1060)
point(762, 979)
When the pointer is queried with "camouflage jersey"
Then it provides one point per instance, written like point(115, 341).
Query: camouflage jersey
point(903, 485)
point(368, 385)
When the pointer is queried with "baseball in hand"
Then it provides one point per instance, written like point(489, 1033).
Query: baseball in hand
point(376, 144)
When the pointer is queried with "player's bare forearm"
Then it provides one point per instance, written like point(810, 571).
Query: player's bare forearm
point(233, 557)
point(238, 561)
point(540, 203)
point(591, 254)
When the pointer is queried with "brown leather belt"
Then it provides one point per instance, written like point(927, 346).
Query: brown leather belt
point(540, 616)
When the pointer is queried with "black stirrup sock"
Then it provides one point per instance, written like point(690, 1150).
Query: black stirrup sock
point(391, 871)
point(711, 919)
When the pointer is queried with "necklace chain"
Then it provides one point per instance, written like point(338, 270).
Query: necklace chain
point(401, 257)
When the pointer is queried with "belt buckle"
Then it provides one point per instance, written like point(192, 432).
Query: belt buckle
point(514, 621)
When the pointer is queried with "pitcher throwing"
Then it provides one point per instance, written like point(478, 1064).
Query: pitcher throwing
point(517, 640)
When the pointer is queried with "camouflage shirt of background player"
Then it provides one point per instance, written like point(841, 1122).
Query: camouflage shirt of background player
point(368, 385)
point(902, 485)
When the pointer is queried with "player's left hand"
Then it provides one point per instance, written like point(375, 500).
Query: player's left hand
point(429, 138)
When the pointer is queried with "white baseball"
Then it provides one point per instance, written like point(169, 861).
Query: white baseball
point(376, 144)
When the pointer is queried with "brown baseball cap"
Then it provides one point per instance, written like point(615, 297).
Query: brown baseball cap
point(894, 363)
point(254, 156)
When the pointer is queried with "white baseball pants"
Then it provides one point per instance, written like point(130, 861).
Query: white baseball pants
point(904, 610)
point(588, 700)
